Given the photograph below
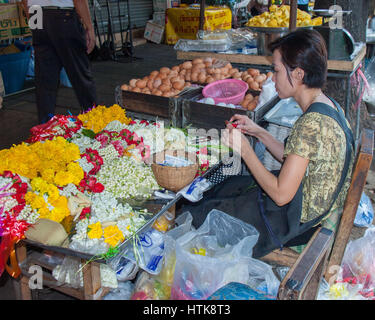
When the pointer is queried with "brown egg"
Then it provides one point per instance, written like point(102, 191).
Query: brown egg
point(250, 81)
point(253, 72)
point(210, 70)
point(166, 94)
point(252, 105)
point(173, 79)
point(210, 79)
point(249, 97)
point(194, 76)
point(175, 68)
point(258, 79)
point(173, 73)
point(269, 74)
point(245, 77)
point(202, 78)
point(187, 65)
point(188, 76)
point(236, 75)
point(146, 90)
point(141, 84)
point(154, 74)
point(133, 82)
point(217, 76)
point(254, 85)
point(182, 73)
point(150, 84)
point(156, 92)
point(164, 88)
point(200, 66)
point(136, 89)
point(125, 87)
point(166, 81)
point(197, 60)
point(165, 70)
point(157, 83)
point(187, 84)
point(178, 85)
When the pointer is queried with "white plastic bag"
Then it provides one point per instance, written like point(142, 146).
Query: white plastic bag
point(217, 253)
point(365, 212)
point(267, 93)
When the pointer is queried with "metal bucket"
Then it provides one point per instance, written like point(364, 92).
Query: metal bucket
point(266, 36)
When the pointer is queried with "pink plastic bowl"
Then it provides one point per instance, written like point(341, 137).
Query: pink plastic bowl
point(227, 91)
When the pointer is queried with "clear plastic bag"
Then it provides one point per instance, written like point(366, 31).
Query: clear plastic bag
point(365, 212)
point(217, 253)
point(358, 263)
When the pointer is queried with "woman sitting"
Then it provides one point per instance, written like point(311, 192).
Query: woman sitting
point(287, 206)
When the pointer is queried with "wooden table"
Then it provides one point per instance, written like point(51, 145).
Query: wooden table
point(343, 69)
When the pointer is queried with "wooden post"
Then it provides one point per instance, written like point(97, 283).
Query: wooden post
point(293, 15)
point(201, 18)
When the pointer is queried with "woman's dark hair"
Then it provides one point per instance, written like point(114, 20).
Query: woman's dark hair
point(306, 49)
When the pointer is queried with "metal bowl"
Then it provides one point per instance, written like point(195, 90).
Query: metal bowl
point(266, 35)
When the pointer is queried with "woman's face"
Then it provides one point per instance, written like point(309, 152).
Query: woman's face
point(280, 77)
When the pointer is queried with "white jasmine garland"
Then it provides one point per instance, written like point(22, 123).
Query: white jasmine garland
point(28, 214)
point(126, 178)
point(69, 190)
point(85, 165)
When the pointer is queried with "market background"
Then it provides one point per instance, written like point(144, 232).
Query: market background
point(18, 112)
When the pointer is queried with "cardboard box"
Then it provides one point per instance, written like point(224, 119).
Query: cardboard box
point(9, 21)
point(154, 32)
point(159, 18)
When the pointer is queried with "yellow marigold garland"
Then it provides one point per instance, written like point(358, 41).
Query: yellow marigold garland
point(53, 160)
point(97, 118)
point(59, 204)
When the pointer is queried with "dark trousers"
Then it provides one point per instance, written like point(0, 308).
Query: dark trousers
point(61, 43)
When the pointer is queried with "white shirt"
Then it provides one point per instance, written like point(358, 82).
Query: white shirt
point(57, 3)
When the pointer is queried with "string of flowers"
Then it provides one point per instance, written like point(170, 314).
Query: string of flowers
point(98, 117)
point(58, 125)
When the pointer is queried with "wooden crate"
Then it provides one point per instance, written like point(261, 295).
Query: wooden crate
point(151, 107)
point(206, 116)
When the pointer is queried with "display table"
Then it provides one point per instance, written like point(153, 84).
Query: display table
point(343, 69)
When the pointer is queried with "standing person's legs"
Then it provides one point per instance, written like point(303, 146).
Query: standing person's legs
point(47, 69)
point(70, 43)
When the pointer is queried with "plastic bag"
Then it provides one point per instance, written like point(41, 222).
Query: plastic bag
point(358, 263)
point(148, 251)
point(365, 212)
point(149, 287)
point(217, 253)
point(124, 291)
point(268, 92)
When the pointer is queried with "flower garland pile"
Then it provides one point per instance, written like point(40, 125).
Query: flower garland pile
point(97, 118)
point(58, 125)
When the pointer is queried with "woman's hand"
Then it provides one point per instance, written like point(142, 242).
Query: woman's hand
point(234, 139)
point(245, 125)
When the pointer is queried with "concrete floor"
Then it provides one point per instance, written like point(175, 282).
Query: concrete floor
point(19, 114)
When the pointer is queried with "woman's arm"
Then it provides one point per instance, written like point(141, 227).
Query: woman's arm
point(83, 11)
point(247, 126)
point(281, 189)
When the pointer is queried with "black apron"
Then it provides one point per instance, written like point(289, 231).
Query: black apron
point(278, 226)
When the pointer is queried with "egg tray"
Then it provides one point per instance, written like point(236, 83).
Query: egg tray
point(150, 107)
point(206, 116)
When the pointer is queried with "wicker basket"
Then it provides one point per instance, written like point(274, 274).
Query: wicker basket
point(174, 178)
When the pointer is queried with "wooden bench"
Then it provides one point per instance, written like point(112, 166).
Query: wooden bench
point(324, 251)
